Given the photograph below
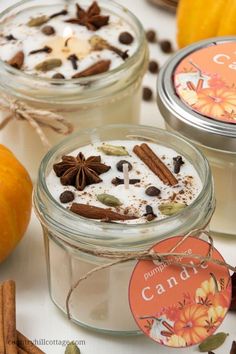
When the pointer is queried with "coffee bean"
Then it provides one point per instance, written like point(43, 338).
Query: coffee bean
point(152, 191)
point(58, 76)
point(153, 67)
point(66, 197)
point(126, 38)
point(147, 94)
point(48, 30)
point(166, 46)
point(151, 36)
point(120, 164)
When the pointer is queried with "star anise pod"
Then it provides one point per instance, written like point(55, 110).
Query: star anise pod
point(92, 19)
point(79, 171)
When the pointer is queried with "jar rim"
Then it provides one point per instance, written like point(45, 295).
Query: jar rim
point(113, 74)
point(206, 131)
point(41, 189)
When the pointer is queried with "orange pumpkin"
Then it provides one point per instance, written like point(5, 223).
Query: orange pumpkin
point(216, 102)
point(15, 201)
point(191, 323)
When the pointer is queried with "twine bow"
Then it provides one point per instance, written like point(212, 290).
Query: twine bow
point(119, 257)
point(37, 118)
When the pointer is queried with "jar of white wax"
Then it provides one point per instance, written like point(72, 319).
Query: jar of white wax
point(93, 77)
point(197, 97)
point(101, 302)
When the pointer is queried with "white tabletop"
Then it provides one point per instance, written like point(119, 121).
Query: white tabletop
point(37, 317)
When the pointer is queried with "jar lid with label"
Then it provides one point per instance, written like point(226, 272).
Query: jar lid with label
point(197, 93)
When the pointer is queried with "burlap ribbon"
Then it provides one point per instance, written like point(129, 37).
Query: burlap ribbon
point(37, 118)
point(119, 257)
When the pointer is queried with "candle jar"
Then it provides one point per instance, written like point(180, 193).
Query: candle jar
point(101, 301)
point(197, 98)
point(110, 97)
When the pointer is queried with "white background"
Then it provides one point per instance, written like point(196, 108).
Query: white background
point(37, 317)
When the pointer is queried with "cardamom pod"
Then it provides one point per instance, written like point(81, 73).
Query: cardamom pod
point(48, 64)
point(213, 342)
point(72, 348)
point(171, 208)
point(113, 150)
point(108, 200)
point(38, 21)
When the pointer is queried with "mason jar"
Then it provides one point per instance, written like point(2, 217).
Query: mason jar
point(111, 97)
point(101, 301)
point(197, 98)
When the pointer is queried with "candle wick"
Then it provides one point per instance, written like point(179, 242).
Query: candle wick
point(126, 175)
point(67, 41)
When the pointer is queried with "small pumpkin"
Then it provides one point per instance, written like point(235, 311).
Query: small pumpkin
point(15, 201)
point(197, 20)
point(191, 323)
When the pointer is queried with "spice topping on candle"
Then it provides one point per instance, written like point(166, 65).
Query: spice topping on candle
point(153, 191)
point(120, 164)
point(98, 68)
point(74, 60)
point(145, 153)
point(10, 37)
point(48, 30)
point(126, 38)
point(80, 171)
point(145, 192)
point(17, 60)
point(178, 162)
point(93, 212)
point(45, 49)
point(92, 18)
point(67, 197)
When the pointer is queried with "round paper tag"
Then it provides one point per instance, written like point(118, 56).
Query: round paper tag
point(205, 81)
point(179, 306)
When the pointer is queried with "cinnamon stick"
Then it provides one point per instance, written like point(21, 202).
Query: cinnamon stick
point(9, 317)
point(93, 212)
point(145, 153)
point(165, 170)
point(21, 351)
point(27, 345)
point(2, 345)
point(98, 68)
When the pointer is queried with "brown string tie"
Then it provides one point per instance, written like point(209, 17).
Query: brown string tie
point(37, 118)
point(119, 257)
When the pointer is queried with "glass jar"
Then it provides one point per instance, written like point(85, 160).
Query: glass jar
point(111, 97)
point(197, 98)
point(101, 301)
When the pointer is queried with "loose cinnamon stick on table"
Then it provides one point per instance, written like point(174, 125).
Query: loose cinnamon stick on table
point(2, 344)
point(27, 345)
point(21, 351)
point(9, 317)
point(145, 153)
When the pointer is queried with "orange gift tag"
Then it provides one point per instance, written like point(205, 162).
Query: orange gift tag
point(205, 81)
point(179, 306)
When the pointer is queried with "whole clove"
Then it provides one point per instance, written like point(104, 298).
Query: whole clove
point(45, 49)
point(60, 13)
point(74, 60)
point(150, 215)
point(117, 181)
point(10, 37)
point(178, 162)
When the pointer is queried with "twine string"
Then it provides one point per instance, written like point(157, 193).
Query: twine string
point(119, 257)
point(37, 118)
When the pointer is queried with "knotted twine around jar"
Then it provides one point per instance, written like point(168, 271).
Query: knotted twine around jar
point(37, 118)
point(119, 257)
